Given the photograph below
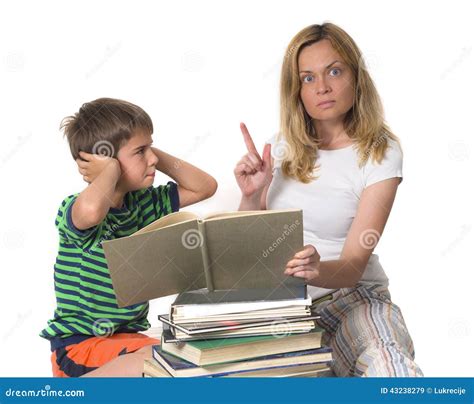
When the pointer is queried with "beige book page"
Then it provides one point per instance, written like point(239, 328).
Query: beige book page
point(251, 251)
point(225, 215)
point(168, 220)
point(181, 217)
point(155, 264)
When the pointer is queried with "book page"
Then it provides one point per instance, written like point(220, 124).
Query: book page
point(251, 250)
point(225, 215)
point(155, 264)
point(168, 220)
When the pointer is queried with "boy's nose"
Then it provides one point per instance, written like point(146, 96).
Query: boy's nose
point(152, 160)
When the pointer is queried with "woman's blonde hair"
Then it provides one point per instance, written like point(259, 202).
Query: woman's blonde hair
point(364, 122)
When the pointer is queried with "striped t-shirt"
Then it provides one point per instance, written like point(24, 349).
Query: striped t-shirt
point(86, 302)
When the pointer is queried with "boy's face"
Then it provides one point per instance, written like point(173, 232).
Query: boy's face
point(137, 162)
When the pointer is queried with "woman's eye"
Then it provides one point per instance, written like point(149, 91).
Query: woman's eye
point(337, 70)
point(307, 79)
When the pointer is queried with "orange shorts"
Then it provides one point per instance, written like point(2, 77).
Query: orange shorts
point(77, 359)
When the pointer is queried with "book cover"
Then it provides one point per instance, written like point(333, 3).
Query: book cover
point(180, 367)
point(202, 329)
point(205, 296)
point(216, 351)
point(181, 252)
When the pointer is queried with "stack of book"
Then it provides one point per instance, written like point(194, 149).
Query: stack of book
point(240, 333)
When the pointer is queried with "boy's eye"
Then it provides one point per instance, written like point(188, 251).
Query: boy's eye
point(141, 151)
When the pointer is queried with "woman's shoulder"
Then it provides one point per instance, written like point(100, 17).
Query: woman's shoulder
point(394, 146)
point(390, 166)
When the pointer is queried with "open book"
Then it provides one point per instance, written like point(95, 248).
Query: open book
point(181, 252)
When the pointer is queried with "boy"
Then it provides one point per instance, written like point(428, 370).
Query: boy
point(111, 142)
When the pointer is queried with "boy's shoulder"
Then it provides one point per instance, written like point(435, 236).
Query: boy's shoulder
point(66, 202)
point(164, 196)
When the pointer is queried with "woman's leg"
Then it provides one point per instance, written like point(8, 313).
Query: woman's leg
point(367, 334)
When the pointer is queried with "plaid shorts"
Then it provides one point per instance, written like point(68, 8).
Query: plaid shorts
point(367, 333)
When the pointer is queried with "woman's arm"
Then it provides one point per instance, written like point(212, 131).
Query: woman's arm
point(367, 227)
point(255, 202)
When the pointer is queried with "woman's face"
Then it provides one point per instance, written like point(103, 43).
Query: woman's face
point(325, 77)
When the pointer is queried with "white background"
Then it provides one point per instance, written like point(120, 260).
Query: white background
point(199, 68)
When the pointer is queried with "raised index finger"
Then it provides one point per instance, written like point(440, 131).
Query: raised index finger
point(248, 140)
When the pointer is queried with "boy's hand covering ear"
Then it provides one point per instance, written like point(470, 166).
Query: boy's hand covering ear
point(91, 165)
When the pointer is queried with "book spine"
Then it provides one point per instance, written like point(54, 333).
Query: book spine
point(205, 256)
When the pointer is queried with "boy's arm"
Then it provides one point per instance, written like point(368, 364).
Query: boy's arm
point(194, 185)
point(93, 204)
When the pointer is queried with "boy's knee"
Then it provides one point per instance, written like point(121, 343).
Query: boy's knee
point(146, 352)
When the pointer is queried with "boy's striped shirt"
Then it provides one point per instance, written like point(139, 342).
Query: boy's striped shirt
point(86, 303)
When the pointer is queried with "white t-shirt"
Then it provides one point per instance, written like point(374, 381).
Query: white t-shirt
point(330, 202)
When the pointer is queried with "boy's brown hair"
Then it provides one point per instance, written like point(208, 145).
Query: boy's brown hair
point(103, 125)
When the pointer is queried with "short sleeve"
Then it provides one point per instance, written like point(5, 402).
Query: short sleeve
point(390, 167)
point(66, 226)
point(165, 199)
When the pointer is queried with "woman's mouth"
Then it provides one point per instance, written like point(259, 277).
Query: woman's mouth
point(326, 104)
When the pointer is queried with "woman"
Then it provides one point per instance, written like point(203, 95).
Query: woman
point(338, 161)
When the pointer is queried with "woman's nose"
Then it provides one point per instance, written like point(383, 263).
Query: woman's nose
point(321, 86)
